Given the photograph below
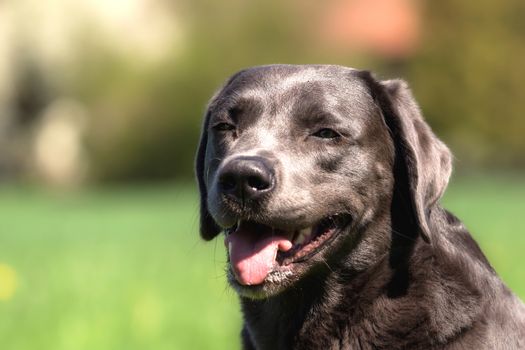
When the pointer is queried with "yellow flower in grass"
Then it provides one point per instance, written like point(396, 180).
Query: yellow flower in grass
point(7, 282)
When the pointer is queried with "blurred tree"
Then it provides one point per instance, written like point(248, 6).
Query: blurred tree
point(466, 73)
point(468, 77)
point(146, 119)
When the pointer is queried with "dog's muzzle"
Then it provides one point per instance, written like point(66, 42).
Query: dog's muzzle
point(246, 179)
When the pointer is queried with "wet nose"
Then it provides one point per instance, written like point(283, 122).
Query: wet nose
point(246, 178)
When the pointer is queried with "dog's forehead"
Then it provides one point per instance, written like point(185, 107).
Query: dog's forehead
point(287, 96)
point(275, 99)
point(295, 82)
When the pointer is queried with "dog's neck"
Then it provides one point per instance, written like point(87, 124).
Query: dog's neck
point(322, 301)
point(277, 322)
point(310, 315)
point(323, 308)
point(339, 303)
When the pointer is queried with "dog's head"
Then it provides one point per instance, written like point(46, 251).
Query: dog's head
point(295, 162)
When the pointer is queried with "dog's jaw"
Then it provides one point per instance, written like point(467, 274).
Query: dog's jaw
point(264, 261)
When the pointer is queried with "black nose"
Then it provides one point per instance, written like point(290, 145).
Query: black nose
point(246, 178)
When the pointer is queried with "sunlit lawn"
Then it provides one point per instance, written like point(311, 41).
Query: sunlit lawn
point(125, 269)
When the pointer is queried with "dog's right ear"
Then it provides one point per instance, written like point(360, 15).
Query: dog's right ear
point(208, 227)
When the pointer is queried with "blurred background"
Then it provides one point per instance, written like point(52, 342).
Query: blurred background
point(100, 111)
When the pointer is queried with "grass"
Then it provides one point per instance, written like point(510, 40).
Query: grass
point(125, 269)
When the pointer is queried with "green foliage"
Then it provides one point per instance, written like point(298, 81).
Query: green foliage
point(146, 118)
point(125, 268)
point(467, 76)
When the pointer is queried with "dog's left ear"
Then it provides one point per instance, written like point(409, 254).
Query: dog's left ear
point(423, 162)
point(208, 227)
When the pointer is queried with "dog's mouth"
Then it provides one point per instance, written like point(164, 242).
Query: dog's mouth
point(256, 250)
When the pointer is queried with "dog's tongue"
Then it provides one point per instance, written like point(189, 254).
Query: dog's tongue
point(253, 249)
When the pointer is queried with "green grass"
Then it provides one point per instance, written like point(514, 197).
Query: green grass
point(125, 269)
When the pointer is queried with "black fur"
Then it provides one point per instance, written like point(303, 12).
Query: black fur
point(405, 273)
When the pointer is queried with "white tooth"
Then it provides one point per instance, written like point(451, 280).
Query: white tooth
point(302, 235)
point(229, 247)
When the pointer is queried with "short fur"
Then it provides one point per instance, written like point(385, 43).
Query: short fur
point(406, 274)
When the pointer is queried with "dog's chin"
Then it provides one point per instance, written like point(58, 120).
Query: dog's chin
point(265, 260)
point(275, 283)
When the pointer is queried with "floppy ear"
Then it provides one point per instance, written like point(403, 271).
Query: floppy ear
point(208, 227)
point(424, 163)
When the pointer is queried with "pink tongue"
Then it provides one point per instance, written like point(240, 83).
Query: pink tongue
point(253, 248)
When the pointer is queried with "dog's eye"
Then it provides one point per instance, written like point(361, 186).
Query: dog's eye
point(327, 134)
point(223, 126)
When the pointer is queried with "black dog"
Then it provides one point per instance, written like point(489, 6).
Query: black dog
point(326, 183)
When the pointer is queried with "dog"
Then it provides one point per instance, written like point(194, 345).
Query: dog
point(326, 184)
